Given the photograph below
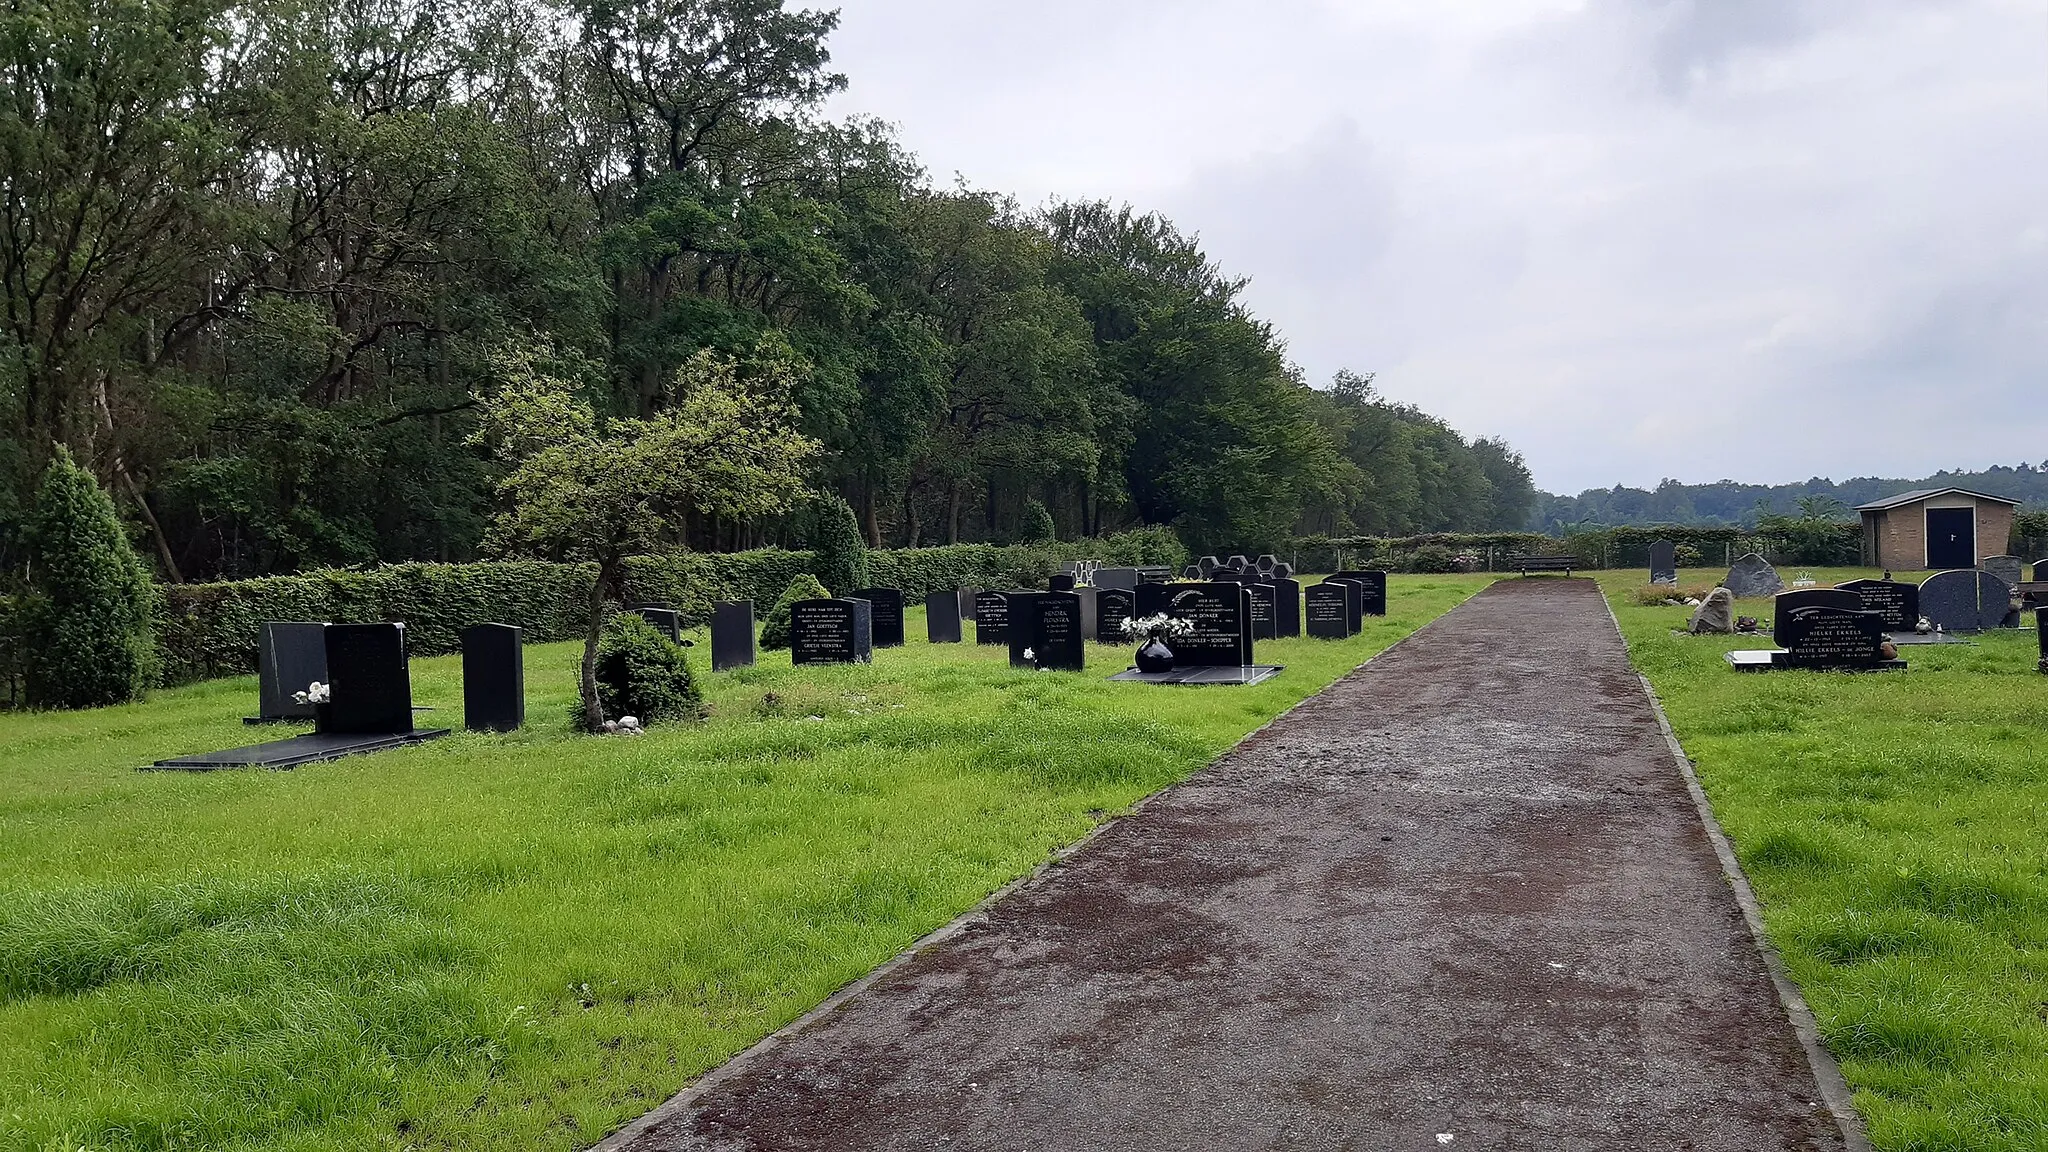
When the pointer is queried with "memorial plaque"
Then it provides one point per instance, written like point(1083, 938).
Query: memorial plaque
point(1355, 601)
point(290, 656)
point(1045, 631)
point(1374, 585)
point(942, 618)
point(1897, 601)
point(1823, 636)
point(493, 679)
point(991, 618)
point(1329, 611)
point(888, 614)
point(1060, 582)
point(1286, 606)
point(831, 632)
point(1115, 578)
point(1113, 606)
point(732, 635)
point(663, 617)
point(1221, 613)
point(1265, 609)
point(370, 678)
point(1664, 562)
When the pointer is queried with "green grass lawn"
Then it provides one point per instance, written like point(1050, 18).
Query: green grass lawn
point(522, 941)
point(1895, 827)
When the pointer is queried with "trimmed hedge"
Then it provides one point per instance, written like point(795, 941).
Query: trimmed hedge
point(209, 630)
point(1624, 547)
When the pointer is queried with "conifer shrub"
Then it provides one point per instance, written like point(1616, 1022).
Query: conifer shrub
point(88, 625)
point(644, 674)
point(842, 553)
point(775, 626)
point(1037, 525)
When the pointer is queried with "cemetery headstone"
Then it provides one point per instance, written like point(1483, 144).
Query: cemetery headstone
point(2041, 570)
point(1329, 611)
point(1664, 562)
point(1113, 606)
point(1818, 635)
point(831, 632)
point(991, 618)
point(1374, 583)
point(967, 598)
point(1045, 631)
point(1897, 601)
point(1265, 608)
point(1115, 578)
point(732, 635)
point(1715, 614)
point(1796, 598)
point(1965, 600)
point(1060, 582)
point(2041, 626)
point(1208, 565)
point(663, 617)
point(1283, 571)
point(888, 614)
point(493, 679)
point(1266, 563)
point(1220, 613)
point(2010, 569)
point(370, 679)
point(1286, 606)
point(1752, 576)
point(942, 618)
point(1354, 603)
point(290, 655)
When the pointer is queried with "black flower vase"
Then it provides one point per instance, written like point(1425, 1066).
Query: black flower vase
point(1154, 655)
point(323, 717)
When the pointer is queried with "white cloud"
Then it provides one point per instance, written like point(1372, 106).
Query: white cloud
point(1762, 239)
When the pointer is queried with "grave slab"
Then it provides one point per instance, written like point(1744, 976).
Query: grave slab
point(1217, 674)
point(299, 751)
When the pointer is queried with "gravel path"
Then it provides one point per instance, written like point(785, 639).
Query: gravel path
point(1460, 899)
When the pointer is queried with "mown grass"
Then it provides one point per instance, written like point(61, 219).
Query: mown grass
point(521, 941)
point(1895, 827)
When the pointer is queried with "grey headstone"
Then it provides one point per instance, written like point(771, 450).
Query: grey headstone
point(1329, 611)
point(1966, 600)
point(1663, 562)
point(2010, 569)
point(2041, 570)
point(1716, 614)
point(732, 635)
point(1818, 635)
point(1374, 582)
point(991, 618)
point(1048, 626)
point(1751, 577)
point(493, 679)
point(1898, 601)
point(663, 617)
point(887, 620)
point(1286, 607)
point(1265, 610)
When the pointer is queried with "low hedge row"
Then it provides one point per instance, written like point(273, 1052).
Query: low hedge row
point(1624, 547)
point(210, 630)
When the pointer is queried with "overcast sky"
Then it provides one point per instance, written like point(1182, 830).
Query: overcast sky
point(1753, 239)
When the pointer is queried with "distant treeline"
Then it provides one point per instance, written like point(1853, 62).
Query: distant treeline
point(261, 261)
point(1727, 502)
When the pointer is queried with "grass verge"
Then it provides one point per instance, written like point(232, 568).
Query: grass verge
point(522, 941)
point(1895, 828)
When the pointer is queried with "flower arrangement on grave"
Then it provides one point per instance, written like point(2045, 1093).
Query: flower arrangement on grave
point(1154, 655)
point(315, 693)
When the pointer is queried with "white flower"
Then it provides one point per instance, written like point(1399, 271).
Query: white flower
point(315, 693)
point(1030, 655)
point(1171, 627)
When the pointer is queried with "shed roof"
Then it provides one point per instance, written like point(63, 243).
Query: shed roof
point(1918, 495)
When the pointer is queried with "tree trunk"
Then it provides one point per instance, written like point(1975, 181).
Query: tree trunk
point(953, 514)
point(593, 708)
point(874, 520)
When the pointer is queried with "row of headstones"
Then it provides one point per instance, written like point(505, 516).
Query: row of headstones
point(1846, 626)
point(367, 669)
point(1266, 567)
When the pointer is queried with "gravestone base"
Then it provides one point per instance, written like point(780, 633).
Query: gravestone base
point(1211, 674)
point(1774, 660)
point(313, 748)
point(1904, 638)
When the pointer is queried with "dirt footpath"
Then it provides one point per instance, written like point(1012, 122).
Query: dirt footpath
point(1460, 899)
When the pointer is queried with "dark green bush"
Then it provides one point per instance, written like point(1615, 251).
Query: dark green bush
point(842, 553)
point(775, 628)
point(643, 674)
point(1432, 558)
point(1036, 527)
point(87, 629)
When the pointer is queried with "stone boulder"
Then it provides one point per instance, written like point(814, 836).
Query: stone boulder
point(1716, 614)
point(1751, 577)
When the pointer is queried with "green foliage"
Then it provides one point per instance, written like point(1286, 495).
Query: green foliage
point(775, 625)
point(643, 674)
point(1432, 558)
point(88, 629)
point(1816, 535)
point(1037, 526)
point(842, 556)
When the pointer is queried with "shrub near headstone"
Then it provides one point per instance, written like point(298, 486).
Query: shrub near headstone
point(644, 674)
point(89, 623)
point(775, 628)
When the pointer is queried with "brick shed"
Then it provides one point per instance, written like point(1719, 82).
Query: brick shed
point(1936, 529)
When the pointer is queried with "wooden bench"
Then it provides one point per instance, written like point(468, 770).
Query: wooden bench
point(2032, 593)
point(1528, 564)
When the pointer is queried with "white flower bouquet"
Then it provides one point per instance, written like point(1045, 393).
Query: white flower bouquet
point(1161, 625)
point(315, 693)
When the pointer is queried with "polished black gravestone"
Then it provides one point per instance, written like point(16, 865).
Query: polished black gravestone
point(1373, 583)
point(1060, 582)
point(1286, 607)
point(1796, 598)
point(732, 635)
point(1220, 650)
point(888, 614)
point(1115, 578)
point(2041, 626)
point(290, 656)
point(1663, 562)
point(1113, 606)
point(831, 632)
point(663, 617)
point(1329, 611)
point(942, 618)
point(1045, 631)
point(1822, 637)
point(1965, 600)
point(1897, 601)
point(493, 679)
point(991, 618)
point(1355, 602)
point(1265, 610)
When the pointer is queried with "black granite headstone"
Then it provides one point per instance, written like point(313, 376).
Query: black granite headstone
point(1795, 598)
point(663, 617)
point(2041, 571)
point(1965, 600)
point(1354, 604)
point(1113, 606)
point(1115, 578)
point(2041, 626)
point(1286, 606)
point(991, 618)
point(831, 632)
point(1663, 562)
point(493, 679)
point(1221, 613)
point(942, 618)
point(1374, 584)
point(1826, 636)
point(290, 656)
point(888, 614)
point(732, 635)
point(1060, 582)
point(1045, 631)
point(1265, 610)
point(1329, 611)
point(370, 678)
point(1897, 601)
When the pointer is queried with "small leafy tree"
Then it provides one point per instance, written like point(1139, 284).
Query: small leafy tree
point(723, 442)
point(842, 551)
point(775, 627)
point(90, 622)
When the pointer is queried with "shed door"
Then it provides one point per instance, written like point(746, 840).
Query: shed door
point(1951, 538)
